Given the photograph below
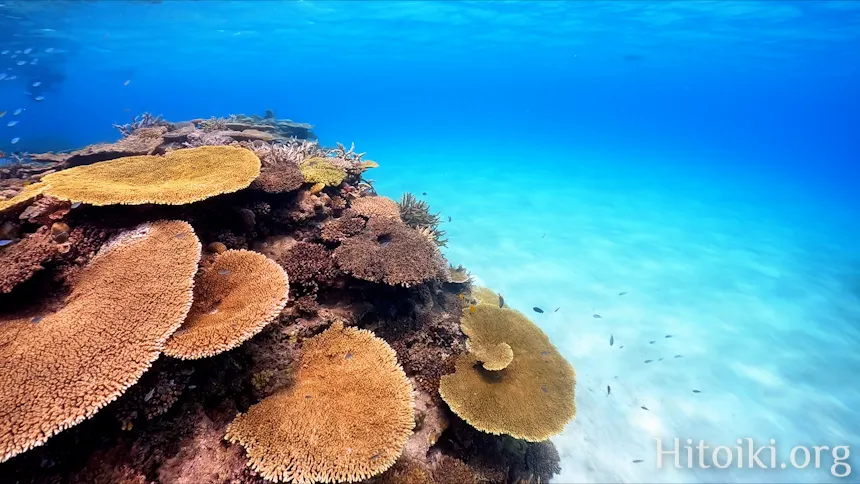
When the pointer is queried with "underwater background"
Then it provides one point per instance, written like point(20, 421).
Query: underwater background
point(679, 177)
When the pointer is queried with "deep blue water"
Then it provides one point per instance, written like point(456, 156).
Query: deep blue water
point(744, 114)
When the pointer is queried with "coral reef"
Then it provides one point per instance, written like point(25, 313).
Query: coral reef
point(131, 356)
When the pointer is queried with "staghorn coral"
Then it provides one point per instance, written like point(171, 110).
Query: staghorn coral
point(376, 207)
point(197, 139)
point(180, 177)
point(322, 170)
point(542, 461)
point(124, 305)
point(234, 298)
point(347, 417)
point(213, 124)
point(416, 214)
point(388, 251)
point(141, 121)
point(532, 398)
point(459, 275)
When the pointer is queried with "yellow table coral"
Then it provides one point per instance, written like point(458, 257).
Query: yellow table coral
point(530, 398)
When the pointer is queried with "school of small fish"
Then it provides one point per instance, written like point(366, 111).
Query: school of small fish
point(23, 58)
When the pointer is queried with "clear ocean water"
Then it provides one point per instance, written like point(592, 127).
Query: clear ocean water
point(680, 176)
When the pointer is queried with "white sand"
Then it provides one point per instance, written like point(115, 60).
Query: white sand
point(757, 307)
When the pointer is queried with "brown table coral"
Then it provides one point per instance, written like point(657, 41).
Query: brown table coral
point(234, 298)
point(531, 398)
point(61, 368)
point(347, 417)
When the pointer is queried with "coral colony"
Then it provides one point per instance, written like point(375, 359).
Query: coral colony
point(227, 301)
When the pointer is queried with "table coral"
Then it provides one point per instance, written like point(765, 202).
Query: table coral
point(178, 178)
point(234, 298)
point(532, 398)
point(321, 170)
point(347, 417)
point(61, 368)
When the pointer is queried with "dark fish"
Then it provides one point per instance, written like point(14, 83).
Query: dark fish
point(622, 293)
point(697, 391)
point(608, 390)
point(643, 407)
point(638, 461)
point(679, 356)
point(648, 361)
point(596, 316)
point(537, 309)
point(501, 301)
point(661, 359)
point(556, 309)
point(611, 340)
point(424, 193)
point(449, 218)
point(621, 347)
point(668, 335)
point(542, 236)
point(651, 342)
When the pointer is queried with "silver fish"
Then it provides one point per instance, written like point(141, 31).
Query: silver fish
point(15, 140)
point(37, 83)
point(39, 98)
point(17, 112)
point(11, 123)
point(21, 63)
point(5, 242)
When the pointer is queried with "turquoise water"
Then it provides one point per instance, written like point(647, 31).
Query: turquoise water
point(700, 157)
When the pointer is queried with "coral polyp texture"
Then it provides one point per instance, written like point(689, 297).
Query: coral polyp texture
point(346, 418)
point(177, 178)
point(316, 339)
point(376, 207)
point(234, 298)
point(61, 367)
point(530, 398)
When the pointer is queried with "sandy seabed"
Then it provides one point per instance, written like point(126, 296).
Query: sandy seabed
point(696, 289)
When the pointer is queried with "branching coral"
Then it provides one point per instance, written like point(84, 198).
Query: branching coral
point(388, 251)
point(145, 120)
point(532, 398)
point(180, 177)
point(347, 225)
point(307, 262)
point(61, 368)
point(459, 275)
point(347, 417)
point(234, 298)
point(416, 214)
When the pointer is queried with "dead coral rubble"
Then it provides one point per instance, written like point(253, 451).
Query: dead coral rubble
point(307, 343)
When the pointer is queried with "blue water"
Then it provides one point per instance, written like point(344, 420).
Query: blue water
point(703, 157)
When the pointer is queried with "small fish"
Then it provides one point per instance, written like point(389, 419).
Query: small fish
point(49, 49)
point(537, 309)
point(622, 293)
point(37, 84)
point(4, 52)
point(596, 316)
point(643, 407)
point(472, 309)
point(5, 242)
point(17, 111)
point(127, 82)
point(679, 356)
point(11, 78)
point(608, 390)
point(542, 236)
point(621, 347)
point(2, 113)
point(2, 76)
point(668, 336)
point(638, 461)
point(611, 340)
point(36, 319)
point(462, 296)
point(34, 62)
point(556, 309)
point(424, 193)
point(660, 359)
point(39, 98)
point(697, 391)
point(28, 50)
point(76, 204)
point(11, 124)
point(21, 63)
point(648, 361)
point(449, 218)
point(651, 342)
point(15, 140)
point(501, 301)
